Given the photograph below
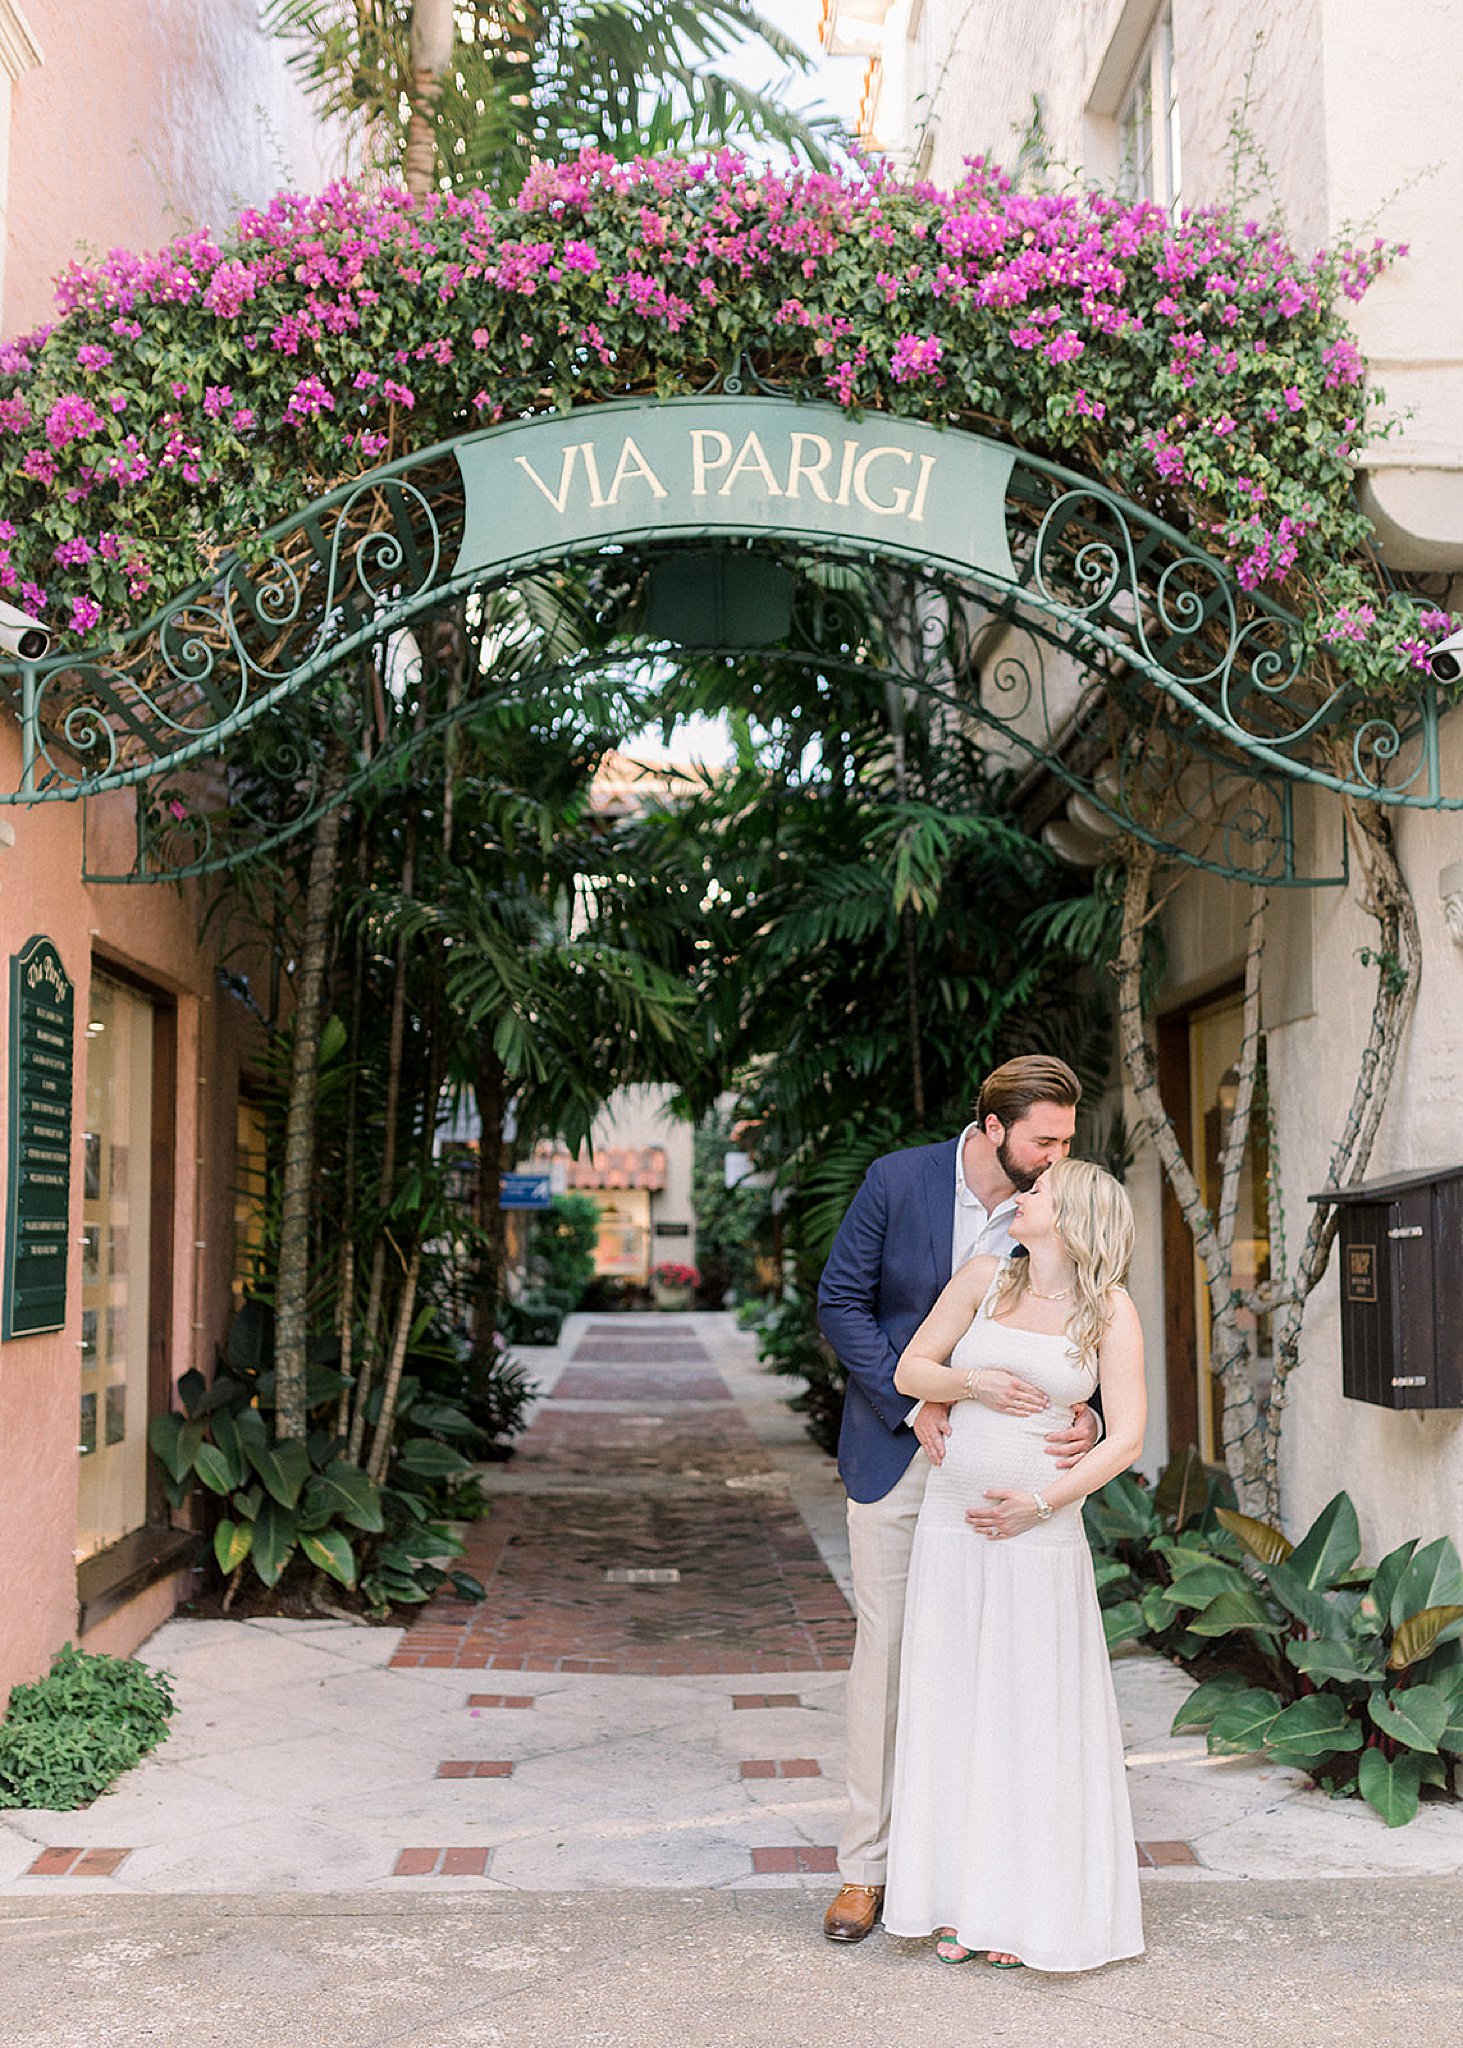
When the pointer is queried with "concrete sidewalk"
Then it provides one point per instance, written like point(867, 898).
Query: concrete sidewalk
point(306, 1759)
point(602, 1810)
point(1315, 1965)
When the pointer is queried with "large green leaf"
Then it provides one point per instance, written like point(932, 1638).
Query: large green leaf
point(164, 1433)
point(1324, 1614)
point(331, 1550)
point(227, 1438)
point(1204, 1702)
point(1433, 1577)
point(274, 1540)
point(1330, 1546)
point(231, 1544)
point(1421, 1633)
point(442, 1417)
point(1243, 1723)
point(1264, 1543)
point(1156, 1611)
point(1376, 1606)
point(1122, 1511)
point(1390, 1784)
point(214, 1469)
point(1322, 1658)
point(428, 1459)
point(350, 1494)
point(1313, 1728)
point(1123, 1623)
point(284, 1467)
point(1198, 1587)
point(1414, 1714)
point(1232, 1610)
point(1107, 1571)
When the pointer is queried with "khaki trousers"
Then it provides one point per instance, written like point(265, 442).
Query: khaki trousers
point(880, 1538)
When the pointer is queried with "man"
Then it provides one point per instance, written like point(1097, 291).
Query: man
point(919, 1214)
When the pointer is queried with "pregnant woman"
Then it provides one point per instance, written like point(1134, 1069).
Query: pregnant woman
point(1011, 1827)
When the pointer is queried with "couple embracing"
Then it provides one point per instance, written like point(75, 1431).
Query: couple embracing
point(975, 1296)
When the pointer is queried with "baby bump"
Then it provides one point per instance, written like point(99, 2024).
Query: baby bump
point(986, 1450)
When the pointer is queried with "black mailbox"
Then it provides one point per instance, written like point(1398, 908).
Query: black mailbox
point(1402, 1289)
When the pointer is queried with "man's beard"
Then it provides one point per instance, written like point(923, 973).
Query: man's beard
point(1021, 1180)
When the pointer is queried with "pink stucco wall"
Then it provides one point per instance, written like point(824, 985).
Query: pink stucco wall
point(144, 120)
point(153, 931)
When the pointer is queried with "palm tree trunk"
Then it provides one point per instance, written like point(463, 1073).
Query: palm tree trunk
point(395, 1052)
point(490, 1090)
point(432, 35)
point(292, 1279)
point(406, 1309)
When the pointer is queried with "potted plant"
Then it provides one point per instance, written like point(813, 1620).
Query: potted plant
point(672, 1284)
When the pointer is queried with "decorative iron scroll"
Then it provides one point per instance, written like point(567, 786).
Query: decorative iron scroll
point(1159, 628)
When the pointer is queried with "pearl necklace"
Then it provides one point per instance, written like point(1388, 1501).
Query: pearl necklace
point(1060, 1295)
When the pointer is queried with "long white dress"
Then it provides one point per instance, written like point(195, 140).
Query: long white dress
point(1011, 1821)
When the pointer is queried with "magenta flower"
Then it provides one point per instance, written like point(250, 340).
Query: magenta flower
point(915, 355)
point(309, 398)
point(72, 418)
point(92, 356)
point(71, 554)
point(85, 611)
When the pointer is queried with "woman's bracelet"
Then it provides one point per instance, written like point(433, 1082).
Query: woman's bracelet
point(972, 1383)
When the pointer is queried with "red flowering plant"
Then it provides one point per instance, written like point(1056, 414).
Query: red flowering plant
point(185, 400)
point(672, 1274)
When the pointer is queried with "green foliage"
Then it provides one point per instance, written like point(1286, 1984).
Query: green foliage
point(526, 83)
point(70, 1735)
point(733, 1225)
point(304, 1503)
point(790, 1343)
point(561, 1249)
point(1361, 1669)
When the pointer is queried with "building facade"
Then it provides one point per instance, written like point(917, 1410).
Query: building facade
point(123, 124)
point(1321, 113)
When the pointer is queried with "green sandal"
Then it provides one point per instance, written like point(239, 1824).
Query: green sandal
point(948, 1949)
point(1014, 1964)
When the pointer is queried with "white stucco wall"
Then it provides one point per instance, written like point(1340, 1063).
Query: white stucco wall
point(139, 123)
point(641, 1116)
point(1347, 106)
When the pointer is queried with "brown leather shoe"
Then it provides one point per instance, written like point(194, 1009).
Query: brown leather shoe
point(853, 1912)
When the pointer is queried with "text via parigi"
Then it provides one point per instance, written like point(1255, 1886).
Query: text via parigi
point(884, 479)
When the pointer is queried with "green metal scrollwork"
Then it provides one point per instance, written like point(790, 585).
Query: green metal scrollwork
point(1162, 655)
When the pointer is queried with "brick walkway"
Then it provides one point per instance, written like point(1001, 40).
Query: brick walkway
point(739, 1585)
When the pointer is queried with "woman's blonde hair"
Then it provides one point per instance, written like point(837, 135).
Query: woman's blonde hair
point(1094, 1219)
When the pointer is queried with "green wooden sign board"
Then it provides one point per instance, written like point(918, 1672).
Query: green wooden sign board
point(691, 467)
point(38, 1170)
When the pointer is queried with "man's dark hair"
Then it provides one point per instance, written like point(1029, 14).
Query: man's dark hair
point(1016, 1088)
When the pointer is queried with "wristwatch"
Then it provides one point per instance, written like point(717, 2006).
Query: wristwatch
point(1043, 1508)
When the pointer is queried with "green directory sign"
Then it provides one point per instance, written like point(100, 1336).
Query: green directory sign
point(695, 467)
point(38, 1168)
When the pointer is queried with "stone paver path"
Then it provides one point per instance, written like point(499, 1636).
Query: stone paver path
point(649, 1703)
point(704, 1567)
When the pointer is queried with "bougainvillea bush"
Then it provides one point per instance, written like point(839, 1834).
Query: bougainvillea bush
point(183, 401)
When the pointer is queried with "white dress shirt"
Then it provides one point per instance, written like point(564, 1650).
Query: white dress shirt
point(977, 1229)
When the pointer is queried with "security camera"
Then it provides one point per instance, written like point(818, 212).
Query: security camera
point(1445, 661)
point(29, 638)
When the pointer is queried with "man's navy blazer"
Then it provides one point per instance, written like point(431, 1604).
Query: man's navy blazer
point(889, 1261)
